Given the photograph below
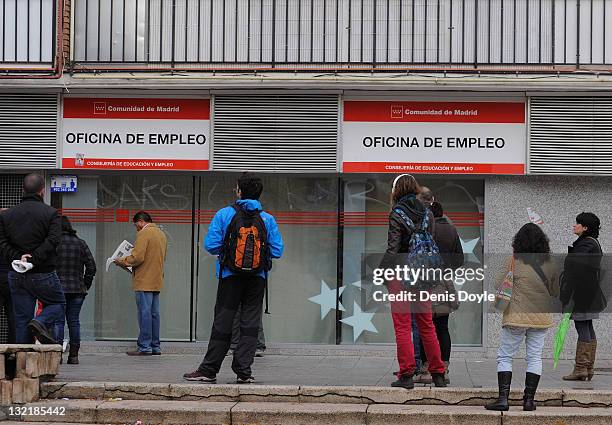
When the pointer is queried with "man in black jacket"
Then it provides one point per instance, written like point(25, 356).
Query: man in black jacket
point(31, 232)
point(6, 302)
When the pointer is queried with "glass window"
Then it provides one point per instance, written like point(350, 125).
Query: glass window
point(101, 212)
point(305, 208)
point(366, 211)
point(302, 285)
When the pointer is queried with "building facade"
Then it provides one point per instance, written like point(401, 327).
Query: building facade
point(500, 107)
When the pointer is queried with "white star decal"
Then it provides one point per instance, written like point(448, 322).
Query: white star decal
point(356, 284)
point(327, 299)
point(360, 321)
point(469, 246)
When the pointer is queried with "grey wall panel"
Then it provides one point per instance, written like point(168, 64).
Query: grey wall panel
point(570, 135)
point(275, 133)
point(558, 200)
point(28, 131)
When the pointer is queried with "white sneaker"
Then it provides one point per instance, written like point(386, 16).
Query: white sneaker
point(249, 380)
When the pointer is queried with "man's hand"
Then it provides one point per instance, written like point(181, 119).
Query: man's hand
point(119, 261)
point(25, 258)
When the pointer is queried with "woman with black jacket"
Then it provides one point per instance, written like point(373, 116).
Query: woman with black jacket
point(76, 269)
point(580, 289)
point(403, 197)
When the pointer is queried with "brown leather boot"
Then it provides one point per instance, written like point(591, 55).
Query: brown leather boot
point(73, 355)
point(424, 377)
point(583, 357)
point(591, 365)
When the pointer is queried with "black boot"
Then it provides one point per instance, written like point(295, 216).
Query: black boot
point(73, 355)
point(404, 381)
point(531, 385)
point(438, 379)
point(501, 404)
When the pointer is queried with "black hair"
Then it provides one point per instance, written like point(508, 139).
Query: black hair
point(142, 215)
point(436, 209)
point(67, 226)
point(33, 183)
point(591, 222)
point(250, 186)
point(531, 244)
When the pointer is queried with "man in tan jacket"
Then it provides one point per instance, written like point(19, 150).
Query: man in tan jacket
point(147, 262)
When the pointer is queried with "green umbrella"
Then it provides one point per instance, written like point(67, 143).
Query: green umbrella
point(560, 337)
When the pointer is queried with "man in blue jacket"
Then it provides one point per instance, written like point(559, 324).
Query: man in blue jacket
point(237, 289)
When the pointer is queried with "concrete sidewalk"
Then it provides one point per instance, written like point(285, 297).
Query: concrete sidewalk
point(322, 370)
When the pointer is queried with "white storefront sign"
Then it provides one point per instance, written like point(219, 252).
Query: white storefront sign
point(434, 137)
point(136, 133)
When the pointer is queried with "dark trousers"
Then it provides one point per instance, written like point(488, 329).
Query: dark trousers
point(26, 288)
point(233, 292)
point(7, 304)
point(585, 329)
point(444, 338)
point(74, 302)
point(261, 338)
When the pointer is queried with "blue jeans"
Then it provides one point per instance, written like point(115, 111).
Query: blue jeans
point(510, 341)
point(148, 321)
point(26, 288)
point(74, 302)
point(416, 342)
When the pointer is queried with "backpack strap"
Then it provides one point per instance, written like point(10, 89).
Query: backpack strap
point(423, 225)
point(226, 237)
point(425, 222)
point(538, 269)
point(267, 310)
point(405, 217)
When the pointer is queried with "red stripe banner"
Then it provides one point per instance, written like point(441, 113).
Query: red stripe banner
point(136, 164)
point(303, 218)
point(432, 168)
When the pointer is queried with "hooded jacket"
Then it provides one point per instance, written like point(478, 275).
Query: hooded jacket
point(221, 221)
point(398, 237)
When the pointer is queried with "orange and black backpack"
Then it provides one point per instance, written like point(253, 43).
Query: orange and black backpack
point(245, 246)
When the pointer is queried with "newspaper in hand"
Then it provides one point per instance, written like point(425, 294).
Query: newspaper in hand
point(123, 250)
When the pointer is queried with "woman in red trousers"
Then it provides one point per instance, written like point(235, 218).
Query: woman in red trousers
point(403, 197)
